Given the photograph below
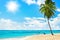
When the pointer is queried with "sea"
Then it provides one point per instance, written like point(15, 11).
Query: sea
point(23, 33)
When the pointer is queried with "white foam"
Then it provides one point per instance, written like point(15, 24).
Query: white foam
point(24, 38)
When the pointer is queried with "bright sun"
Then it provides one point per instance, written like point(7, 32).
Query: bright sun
point(12, 6)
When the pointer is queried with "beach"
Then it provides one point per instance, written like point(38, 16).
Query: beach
point(37, 37)
point(45, 37)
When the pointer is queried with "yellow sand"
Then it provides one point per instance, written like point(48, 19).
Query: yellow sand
point(45, 37)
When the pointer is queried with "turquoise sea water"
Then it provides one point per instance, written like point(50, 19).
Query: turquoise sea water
point(22, 33)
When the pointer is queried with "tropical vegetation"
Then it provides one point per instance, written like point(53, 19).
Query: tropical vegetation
point(48, 9)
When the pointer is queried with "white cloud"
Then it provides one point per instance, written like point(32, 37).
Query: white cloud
point(30, 24)
point(7, 24)
point(41, 23)
point(58, 9)
point(12, 6)
point(56, 22)
point(38, 2)
point(29, 1)
point(35, 23)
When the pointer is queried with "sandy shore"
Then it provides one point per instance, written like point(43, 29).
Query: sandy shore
point(37, 37)
point(44, 37)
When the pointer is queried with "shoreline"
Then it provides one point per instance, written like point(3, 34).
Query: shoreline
point(36, 37)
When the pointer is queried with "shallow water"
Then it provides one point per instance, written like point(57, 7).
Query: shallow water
point(22, 33)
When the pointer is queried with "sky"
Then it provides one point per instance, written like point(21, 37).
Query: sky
point(25, 15)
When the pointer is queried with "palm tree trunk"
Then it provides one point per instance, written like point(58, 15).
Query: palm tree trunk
point(50, 27)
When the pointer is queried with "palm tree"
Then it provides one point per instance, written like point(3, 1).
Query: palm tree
point(48, 10)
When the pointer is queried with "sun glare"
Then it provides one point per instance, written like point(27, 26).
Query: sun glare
point(12, 6)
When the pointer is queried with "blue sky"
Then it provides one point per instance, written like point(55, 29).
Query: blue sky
point(25, 15)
